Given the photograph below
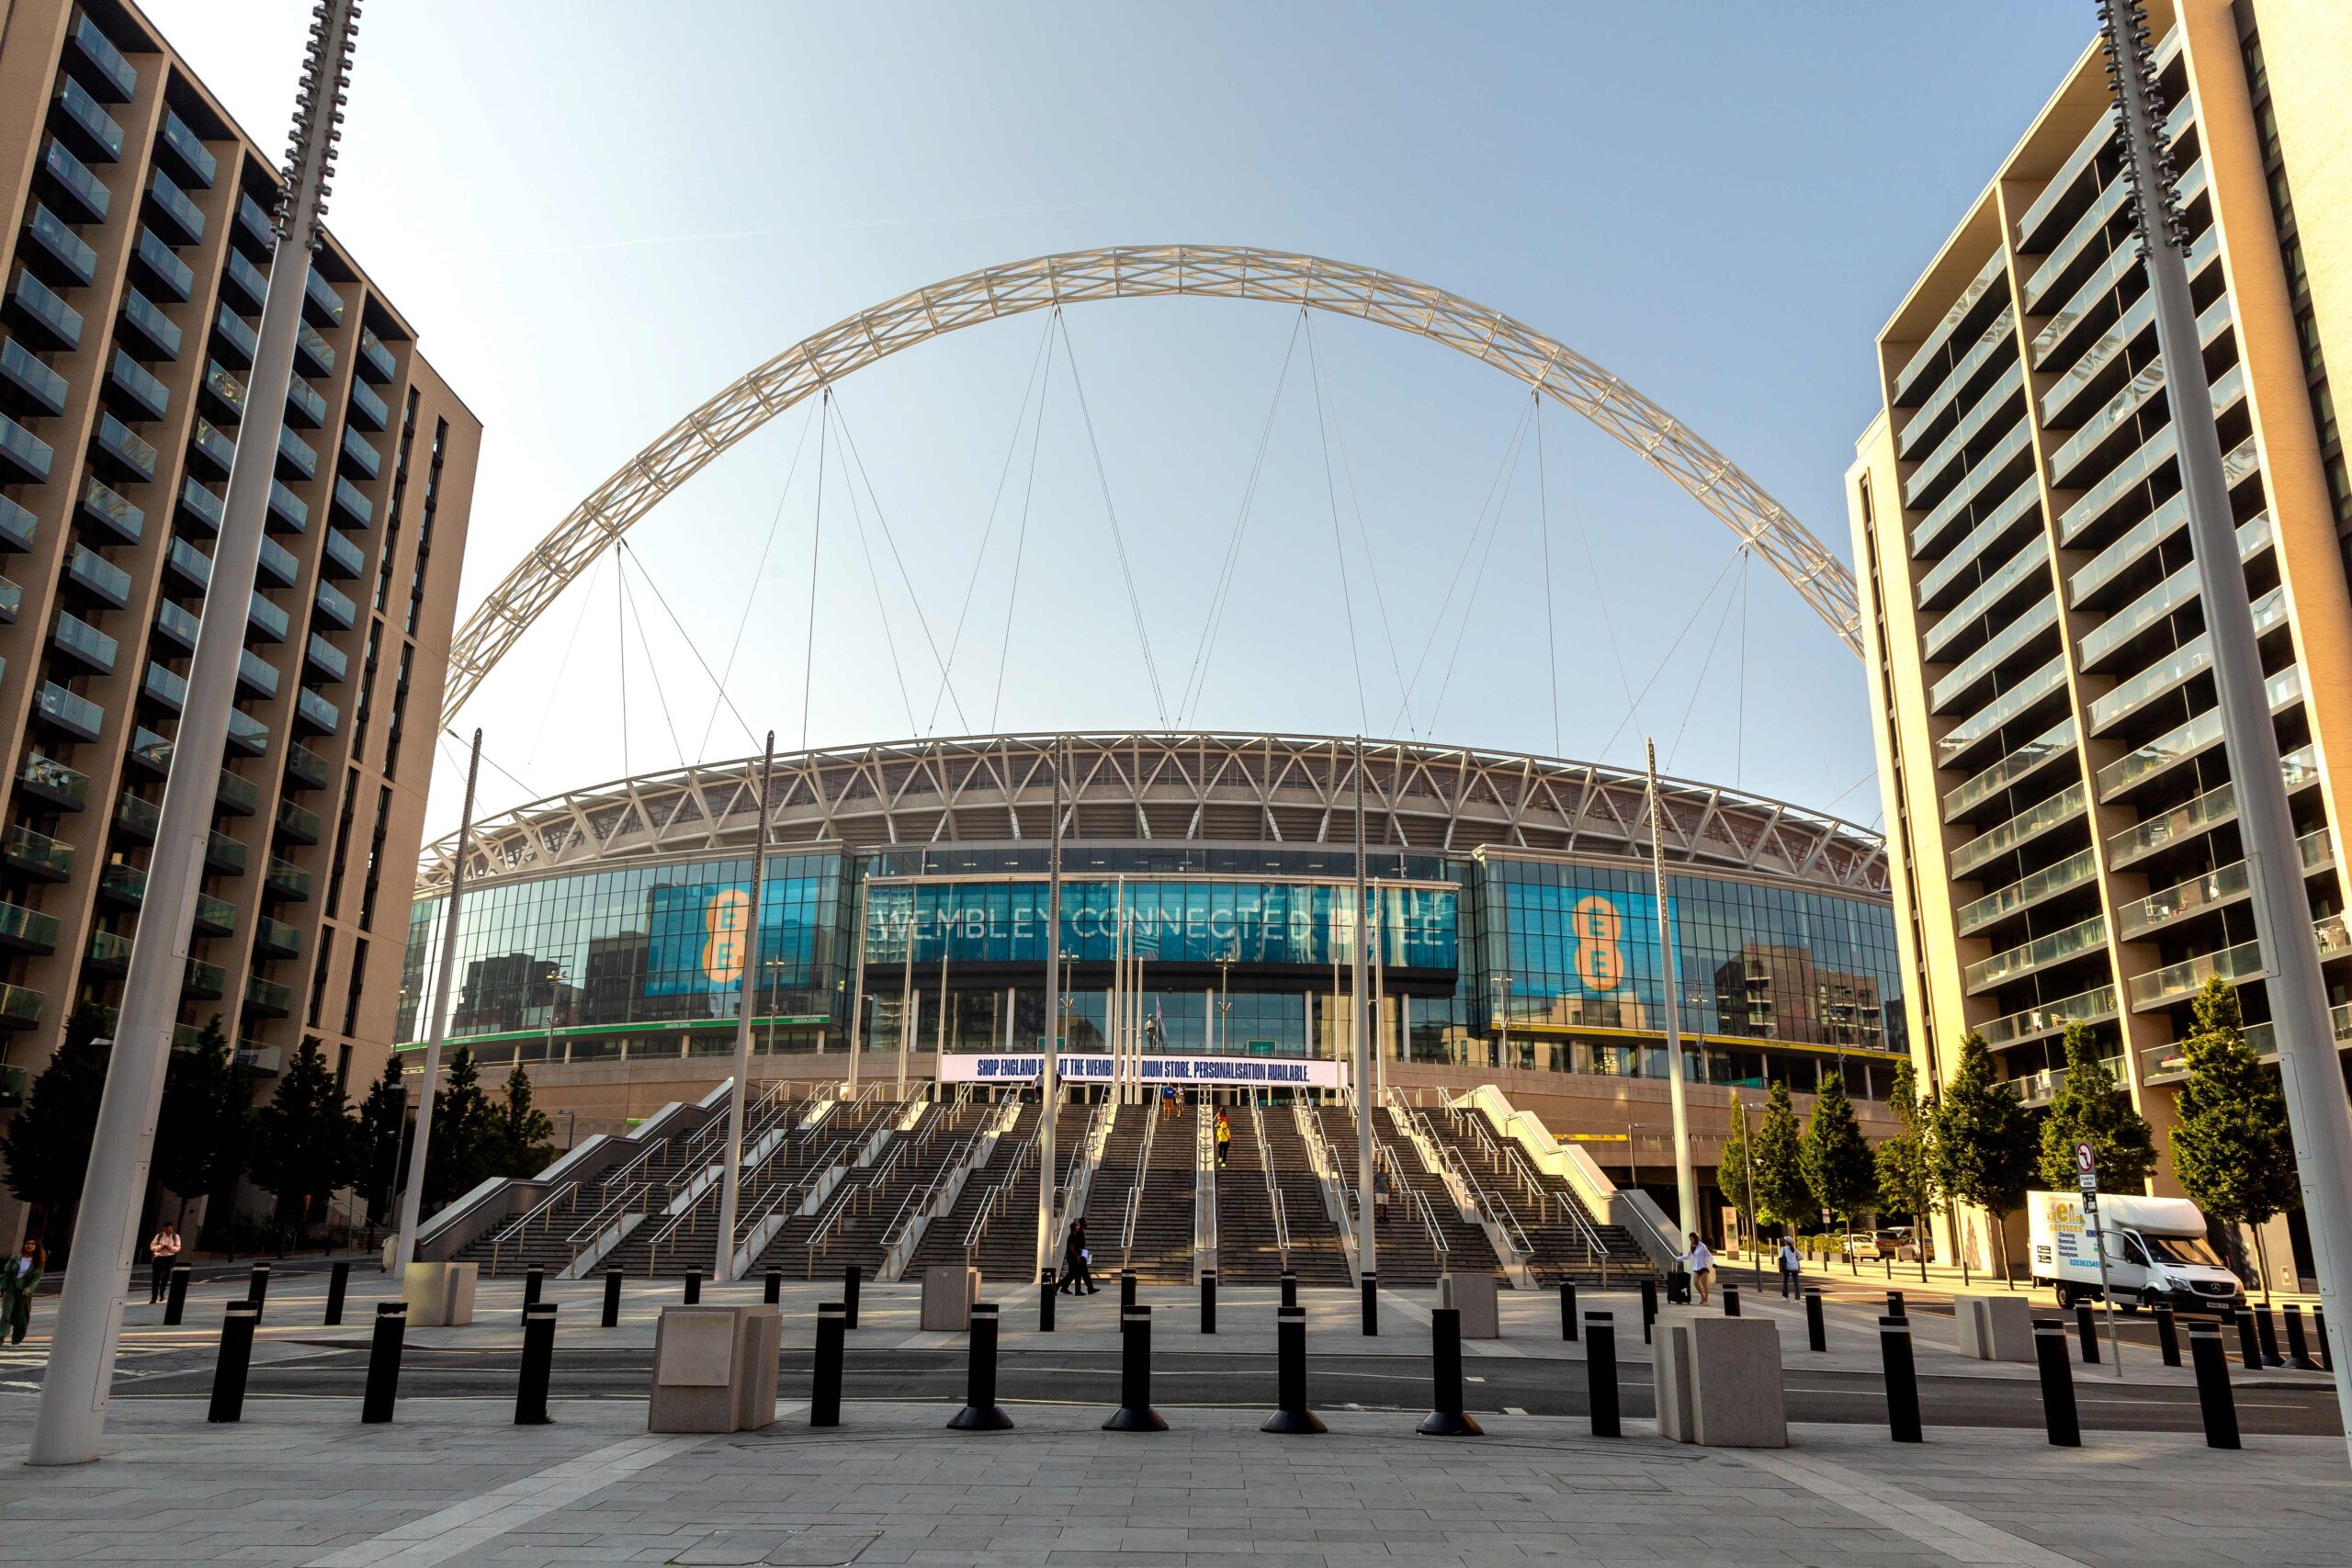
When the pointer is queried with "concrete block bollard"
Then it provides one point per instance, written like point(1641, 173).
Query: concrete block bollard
point(539, 1365)
point(950, 1290)
point(715, 1369)
point(236, 1359)
point(1719, 1381)
point(1600, 1373)
point(981, 1413)
point(1993, 1326)
point(384, 1363)
point(2058, 1414)
point(1902, 1379)
point(1134, 1413)
point(1291, 1414)
point(1473, 1296)
point(2215, 1403)
point(1446, 1417)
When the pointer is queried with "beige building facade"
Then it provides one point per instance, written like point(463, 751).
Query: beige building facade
point(2060, 815)
point(140, 244)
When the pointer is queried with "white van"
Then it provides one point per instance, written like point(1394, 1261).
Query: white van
point(2156, 1252)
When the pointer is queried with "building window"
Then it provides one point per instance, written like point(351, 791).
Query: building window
point(351, 992)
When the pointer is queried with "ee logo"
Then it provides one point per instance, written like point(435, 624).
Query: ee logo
point(1599, 928)
point(727, 918)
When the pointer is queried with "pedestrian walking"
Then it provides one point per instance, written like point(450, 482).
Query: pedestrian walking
point(1380, 1196)
point(18, 1280)
point(1701, 1264)
point(1790, 1265)
point(162, 1251)
point(1078, 1264)
point(1224, 1137)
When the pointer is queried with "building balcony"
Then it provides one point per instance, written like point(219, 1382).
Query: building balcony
point(296, 457)
point(1995, 471)
point(298, 823)
point(188, 563)
point(1977, 430)
point(337, 607)
point(24, 456)
point(2175, 669)
point(305, 767)
point(234, 337)
point(255, 674)
point(176, 623)
point(267, 621)
point(344, 559)
point(123, 451)
point(172, 213)
point(42, 320)
point(361, 454)
point(223, 856)
point(2202, 814)
point(2212, 890)
point(68, 712)
point(138, 817)
point(47, 779)
point(134, 390)
point(109, 953)
point(304, 406)
point(181, 147)
point(237, 795)
point(122, 884)
point(287, 509)
point(2093, 1006)
point(79, 643)
point(286, 880)
point(2168, 1062)
point(246, 280)
point(65, 179)
point(29, 930)
point(2028, 635)
point(2112, 639)
point(159, 271)
point(35, 854)
point(2177, 983)
point(80, 120)
point(116, 521)
point(2044, 817)
point(248, 734)
point(368, 409)
point(2178, 744)
point(19, 1006)
point(203, 981)
point(19, 530)
point(100, 577)
point(278, 939)
point(268, 997)
point(278, 563)
point(165, 688)
point(253, 232)
point(222, 392)
point(313, 355)
point(322, 304)
point(1932, 363)
point(315, 713)
point(376, 361)
point(2021, 704)
point(200, 508)
point(323, 657)
point(2084, 244)
point(2061, 876)
point(1928, 421)
point(27, 386)
point(352, 509)
point(148, 326)
point(111, 77)
point(150, 753)
point(215, 917)
point(2078, 940)
point(57, 253)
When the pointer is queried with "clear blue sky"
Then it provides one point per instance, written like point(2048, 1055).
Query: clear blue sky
point(599, 214)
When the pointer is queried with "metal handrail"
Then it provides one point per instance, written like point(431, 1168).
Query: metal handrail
point(1274, 1187)
point(1204, 1174)
point(1568, 1204)
point(568, 1194)
point(995, 1197)
point(1494, 1208)
point(1135, 1189)
point(614, 1209)
point(821, 1234)
point(1414, 1202)
point(919, 1201)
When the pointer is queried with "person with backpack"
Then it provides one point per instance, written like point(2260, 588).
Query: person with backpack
point(1078, 1261)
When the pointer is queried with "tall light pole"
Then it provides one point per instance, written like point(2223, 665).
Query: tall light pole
point(81, 1364)
point(722, 1268)
point(1053, 1027)
point(437, 1031)
point(1686, 1182)
point(1369, 1263)
point(2309, 1069)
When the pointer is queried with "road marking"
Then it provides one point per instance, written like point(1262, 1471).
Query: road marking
point(1932, 1525)
point(1513, 1410)
point(462, 1528)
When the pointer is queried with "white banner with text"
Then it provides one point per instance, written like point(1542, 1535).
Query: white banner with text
point(1204, 1072)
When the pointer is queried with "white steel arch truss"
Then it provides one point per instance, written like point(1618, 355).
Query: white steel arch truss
point(1135, 272)
point(1171, 789)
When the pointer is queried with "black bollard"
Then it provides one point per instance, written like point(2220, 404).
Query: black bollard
point(773, 1292)
point(1291, 1414)
point(1290, 1288)
point(1372, 1305)
point(2167, 1337)
point(1731, 1301)
point(1134, 1413)
point(1600, 1373)
point(693, 1283)
point(1894, 1307)
point(538, 1363)
point(981, 1413)
point(2319, 1340)
point(236, 1359)
point(1902, 1379)
point(1208, 1301)
point(1045, 1292)
point(2266, 1333)
point(1569, 1310)
point(2298, 1355)
point(825, 1377)
point(2057, 1383)
point(338, 1282)
point(1816, 1331)
point(258, 1290)
point(851, 1277)
point(534, 1280)
point(1126, 1291)
point(384, 1363)
point(2249, 1348)
point(612, 1298)
point(1649, 1307)
point(2214, 1402)
point(175, 1296)
point(2086, 1330)
point(1446, 1417)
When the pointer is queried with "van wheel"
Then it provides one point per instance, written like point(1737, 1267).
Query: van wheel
point(2130, 1304)
point(2150, 1299)
point(2066, 1298)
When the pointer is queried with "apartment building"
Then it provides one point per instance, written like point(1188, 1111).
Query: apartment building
point(140, 245)
point(2060, 808)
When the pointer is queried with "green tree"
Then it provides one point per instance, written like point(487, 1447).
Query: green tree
point(48, 1143)
point(523, 1138)
point(2231, 1150)
point(1986, 1144)
point(304, 1140)
point(1731, 1169)
point(2090, 1106)
point(201, 1134)
point(1837, 1159)
point(383, 1117)
point(1907, 1183)
point(1782, 1194)
point(461, 1149)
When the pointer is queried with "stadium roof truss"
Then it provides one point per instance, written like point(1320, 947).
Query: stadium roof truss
point(1174, 788)
point(1134, 272)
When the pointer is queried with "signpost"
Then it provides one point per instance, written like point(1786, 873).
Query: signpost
point(2087, 1176)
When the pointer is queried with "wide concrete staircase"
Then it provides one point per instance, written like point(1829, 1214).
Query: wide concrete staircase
point(1249, 1249)
point(1568, 1242)
point(944, 1240)
point(1158, 1209)
point(1421, 1210)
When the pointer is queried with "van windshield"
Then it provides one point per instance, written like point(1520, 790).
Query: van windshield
point(2191, 1251)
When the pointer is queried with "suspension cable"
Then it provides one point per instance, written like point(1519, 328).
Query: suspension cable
point(547, 709)
point(1508, 459)
point(980, 557)
point(874, 580)
point(652, 665)
point(1728, 563)
point(1592, 575)
point(645, 576)
point(1739, 740)
point(1364, 535)
point(620, 651)
point(1118, 537)
point(1339, 546)
point(816, 540)
point(1470, 602)
point(1704, 665)
point(519, 782)
point(1196, 679)
point(1021, 541)
point(914, 599)
point(759, 575)
point(1543, 520)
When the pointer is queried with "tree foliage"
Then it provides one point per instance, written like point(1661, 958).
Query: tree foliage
point(1837, 1157)
point(1906, 1184)
point(1985, 1143)
point(1783, 1196)
point(48, 1143)
point(2091, 1107)
point(524, 1139)
point(201, 1133)
point(461, 1149)
point(1731, 1170)
point(305, 1143)
point(377, 1140)
point(2231, 1150)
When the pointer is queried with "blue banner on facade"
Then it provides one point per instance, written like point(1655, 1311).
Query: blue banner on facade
point(699, 934)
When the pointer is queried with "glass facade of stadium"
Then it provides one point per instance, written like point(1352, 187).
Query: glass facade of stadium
point(1498, 958)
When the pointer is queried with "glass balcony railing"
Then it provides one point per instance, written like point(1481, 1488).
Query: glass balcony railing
point(2159, 603)
point(2089, 936)
point(2093, 222)
point(2210, 890)
point(247, 733)
point(306, 766)
point(83, 642)
point(337, 607)
point(127, 883)
point(298, 452)
point(152, 399)
point(20, 927)
point(19, 529)
point(278, 563)
point(114, 79)
point(237, 794)
point(297, 822)
point(287, 880)
point(2064, 806)
point(2128, 477)
point(267, 996)
point(165, 687)
point(106, 509)
point(34, 381)
point(46, 778)
point(2177, 745)
point(2168, 1062)
point(361, 453)
point(350, 502)
point(256, 674)
point(99, 575)
point(254, 227)
point(1932, 470)
point(171, 204)
point(165, 273)
point(2176, 982)
point(325, 658)
point(109, 951)
point(201, 506)
point(2094, 291)
point(303, 401)
point(150, 750)
point(268, 619)
point(2030, 563)
point(316, 711)
point(1995, 463)
point(204, 981)
point(2102, 569)
point(233, 330)
point(70, 711)
point(85, 194)
point(309, 345)
point(1997, 338)
point(1988, 720)
point(37, 854)
point(224, 854)
point(137, 816)
point(101, 138)
point(2184, 663)
point(2050, 1018)
point(27, 455)
point(376, 361)
point(19, 1006)
point(277, 938)
point(2004, 644)
point(2034, 229)
point(176, 623)
point(2201, 814)
point(148, 320)
point(2023, 503)
point(229, 389)
point(69, 259)
point(367, 408)
point(126, 447)
point(2061, 877)
point(189, 563)
point(286, 507)
point(47, 320)
point(248, 280)
point(1935, 351)
point(321, 303)
point(198, 165)
point(215, 917)
point(343, 558)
